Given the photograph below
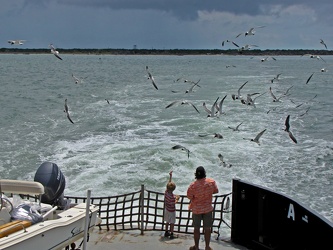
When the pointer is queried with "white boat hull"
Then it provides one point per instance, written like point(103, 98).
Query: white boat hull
point(58, 233)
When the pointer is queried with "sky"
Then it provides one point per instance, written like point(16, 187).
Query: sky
point(166, 24)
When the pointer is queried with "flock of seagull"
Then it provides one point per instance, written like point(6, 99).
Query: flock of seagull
point(216, 109)
point(56, 53)
point(252, 32)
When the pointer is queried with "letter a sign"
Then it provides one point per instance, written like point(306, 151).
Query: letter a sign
point(291, 212)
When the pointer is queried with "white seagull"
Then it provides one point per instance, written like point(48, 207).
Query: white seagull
point(246, 47)
point(223, 163)
point(215, 135)
point(236, 128)
point(274, 97)
point(182, 103)
point(16, 42)
point(238, 96)
point(287, 129)
point(211, 112)
point(219, 107)
point(307, 81)
point(249, 99)
point(266, 58)
point(151, 78)
point(183, 149)
point(190, 81)
point(78, 80)
point(287, 91)
point(314, 57)
point(323, 43)
point(228, 41)
point(250, 32)
point(256, 139)
point(54, 51)
point(299, 105)
point(191, 89)
point(67, 111)
point(251, 102)
point(276, 78)
point(306, 111)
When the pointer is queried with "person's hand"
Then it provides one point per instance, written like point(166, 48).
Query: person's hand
point(177, 198)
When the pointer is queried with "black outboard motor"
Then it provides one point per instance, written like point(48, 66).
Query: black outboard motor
point(50, 176)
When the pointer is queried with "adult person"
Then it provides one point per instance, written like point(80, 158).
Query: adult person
point(200, 192)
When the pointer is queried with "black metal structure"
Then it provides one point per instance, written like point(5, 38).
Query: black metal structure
point(264, 219)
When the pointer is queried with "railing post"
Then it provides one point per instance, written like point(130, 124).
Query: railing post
point(142, 207)
point(86, 224)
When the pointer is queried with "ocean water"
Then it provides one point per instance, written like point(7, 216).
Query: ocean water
point(114, 148)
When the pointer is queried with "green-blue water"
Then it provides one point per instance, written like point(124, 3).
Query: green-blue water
point(114, 148)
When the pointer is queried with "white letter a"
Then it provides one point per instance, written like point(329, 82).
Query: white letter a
point(291, 212)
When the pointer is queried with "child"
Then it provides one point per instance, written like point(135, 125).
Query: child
point(170, 201)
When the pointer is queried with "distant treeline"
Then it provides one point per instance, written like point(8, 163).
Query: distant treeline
point(253, 52)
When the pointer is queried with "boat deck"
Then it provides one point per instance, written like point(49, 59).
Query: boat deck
point(150, 240)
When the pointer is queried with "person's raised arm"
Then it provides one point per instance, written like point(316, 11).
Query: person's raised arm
point(170, 174)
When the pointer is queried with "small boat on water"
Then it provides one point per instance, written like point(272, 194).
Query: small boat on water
point(49, 222)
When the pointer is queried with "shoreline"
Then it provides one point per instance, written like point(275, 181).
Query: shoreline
point(179, 52)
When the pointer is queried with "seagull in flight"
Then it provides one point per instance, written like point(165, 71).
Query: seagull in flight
point(287, 91)
point(223, 163)
point(299, 105)
point(228, 66)
point(246, 47)
point(306, 111)
point(236, 128)
point(182, 103)
point(307, 81)
point(151, 78)
point(323, 43)
point(219, 107)
point(16, 42)
point(274, 97)
point(276, 78)
point(211, 112)
point(256, 139)
point(67, 111)
point(238, 96)
point(183, 149)
point(287, 129)
point(266, 58)
point(54, 51)
point(250, 101)
point(191, 89)
point(228, 41)
point(250, 32)
point(315, 57)
point(77, 80)
point(215, 135)
point(192, 82)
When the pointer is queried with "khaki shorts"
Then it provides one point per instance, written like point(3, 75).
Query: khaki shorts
point(169, 217)
point(206, 218)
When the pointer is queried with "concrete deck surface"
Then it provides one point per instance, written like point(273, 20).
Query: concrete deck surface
point(151, 240)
